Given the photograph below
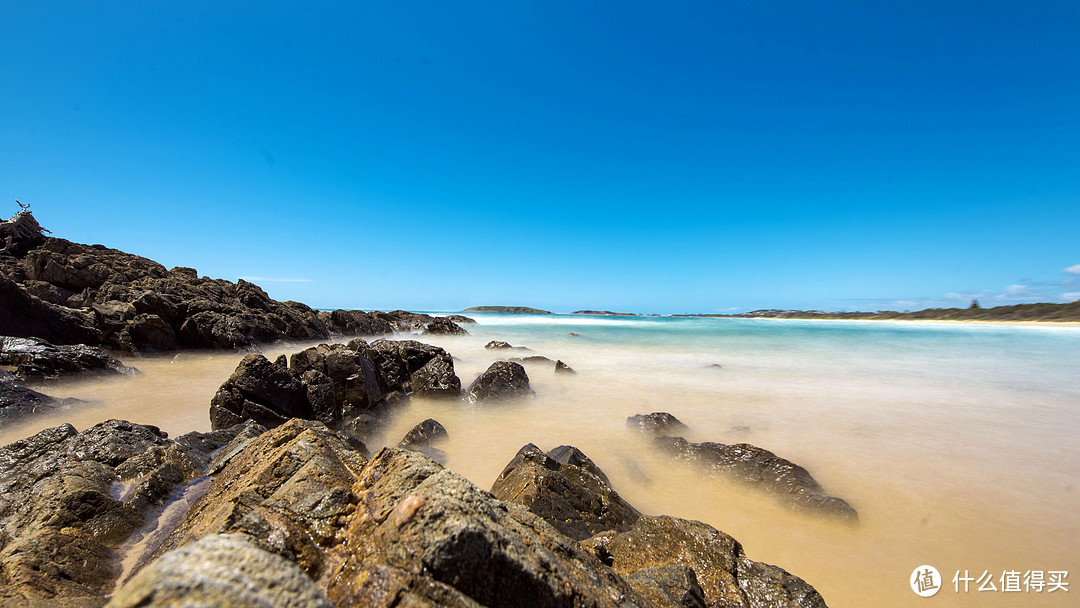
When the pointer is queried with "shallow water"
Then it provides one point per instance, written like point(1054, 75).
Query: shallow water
point(956, 443)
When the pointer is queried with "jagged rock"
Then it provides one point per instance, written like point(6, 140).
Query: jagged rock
point(531, 360)
point(352, 373)
point(421, 369)
point(18, 402)
point(69, 499)
point(424, 435)
point(498, 345)
point(288, 489)
point(25, 316)
point(261, 391)
point(357, 323)
point(21, 233)
point(566, 489)
point(444, 326)
point(759, 467)
point(726, 576)
point(657, 423)
point(224, 571)
point(669, 586)
point(502, 380)
point(37, 360)
point(562, 368)
point(461, 319)
point(424, 536)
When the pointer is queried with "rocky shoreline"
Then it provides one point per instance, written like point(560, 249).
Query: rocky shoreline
point(282, 504)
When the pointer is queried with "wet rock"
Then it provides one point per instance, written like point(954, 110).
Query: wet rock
point(502, 380)
point(498, 345)
point(562, 368)
point(424, 435)
point(658, 423)
point(417, 368)
point(669, 586)
point(221, 570)
point(69, 499)
point(357, 323)
point(532, 360)
point(37, 360)
point(461, 319)
point(725, 575)
point(424, 536)
point(759, 467)
point(261, 391)
point(445, 327)
point(352, 373)
point(18, 402)
point(566, 489)
point(574, 335)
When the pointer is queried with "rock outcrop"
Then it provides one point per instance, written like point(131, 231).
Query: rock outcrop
point(444, 326)
point(502, 380)
point(654, 553)
point(761, 468)
point(657, 423)
point(37, 360)
point(566, 489)
point(69, 499)
point(562, 368)
point(18, 402)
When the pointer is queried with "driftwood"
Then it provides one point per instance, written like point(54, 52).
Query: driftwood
point(21, 233)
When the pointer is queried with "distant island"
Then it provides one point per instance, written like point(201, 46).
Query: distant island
point(1043, 312)
point(511, 310)
point(604, 313)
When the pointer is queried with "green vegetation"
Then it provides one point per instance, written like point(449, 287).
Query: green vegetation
point(513, 310)
point(1018, 312)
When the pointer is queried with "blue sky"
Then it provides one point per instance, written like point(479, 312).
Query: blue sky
point(642, 156)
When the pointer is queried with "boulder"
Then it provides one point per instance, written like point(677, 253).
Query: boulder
point(18, 402)
point(669, 586)
point(23, 315)
point(498, 345)
point(566, 489)
point(461, 319)
point(221, 570)
point(657, 423)
point(646, 553)
point(417, 368)
point(68, 500)
point(261, 391)
point(532, 360)
point(761, 468)
point(424, 435)
point(444, 327)
point(424, 536)
point(502, 380)
point(562, 368)
point(37, 360)
point(21, 233)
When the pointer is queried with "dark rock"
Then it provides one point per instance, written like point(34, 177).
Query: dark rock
point(502, 380)
point(461, 319)
point(658, 423)
point(21, 233)
point(498, 345)
point(421, 369)
point(68, 500)
point(759, 467)
point(574, 335)
point(18, 402)
point(566, 489)
point(669, 586)
point(444, 326)
point(25, 316)
point(36, 360)
point(261, 391)
point(357, 323)
point(424, 536)
point(532, 360)
point(424, 435)
point(221, 570)
point(725, 575)
point(715, 366)
point(562, 368)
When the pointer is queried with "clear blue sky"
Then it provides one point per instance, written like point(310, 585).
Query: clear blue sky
point(644, 156)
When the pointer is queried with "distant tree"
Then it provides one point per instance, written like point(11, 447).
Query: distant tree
point(974, 305)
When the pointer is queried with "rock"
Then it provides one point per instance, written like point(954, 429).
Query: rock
point(461, 319)
point(288, 489)
point(759, 467)
point(68, 500)
point(352, 372)
point(424, 435)
point(221, 570)
point(36, 360)
point(424, 536)
point(444, 326)
point(532, 360)
point(25, 316)
point(566, 489)
point(21, 233)
point(18, 402)
point(261, 391)
point(357, 323)
point(657, 423)
point(418, 368)
point(498, 345)
point(669, 586)
point(725, 575)
point(562, 368)
point(502, 380)
point(574, 335)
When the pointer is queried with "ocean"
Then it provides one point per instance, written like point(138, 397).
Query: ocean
point(956, 443)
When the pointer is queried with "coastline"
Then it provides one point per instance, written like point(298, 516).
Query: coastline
point(1074, 324)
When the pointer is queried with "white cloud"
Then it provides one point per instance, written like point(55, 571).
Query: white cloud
point(276, 280)
point(1075, 269)
point(1072, 295)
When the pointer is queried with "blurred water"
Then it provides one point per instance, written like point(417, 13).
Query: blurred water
point(955, 442)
